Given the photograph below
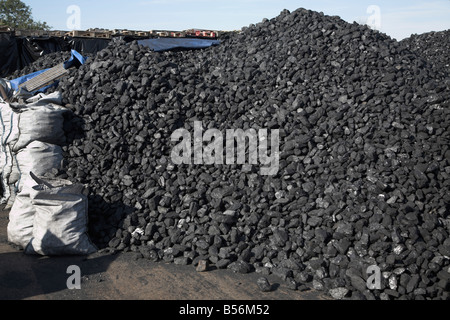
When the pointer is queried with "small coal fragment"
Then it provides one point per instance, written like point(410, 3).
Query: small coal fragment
point(202, 266)
point(239, 267)
point(339, 293)
point(264, 284)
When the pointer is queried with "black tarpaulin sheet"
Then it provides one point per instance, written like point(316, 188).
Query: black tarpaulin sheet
point(28, 51)
point(87, 46)
point(18, 52)
point(50, 45)
point(9, 55)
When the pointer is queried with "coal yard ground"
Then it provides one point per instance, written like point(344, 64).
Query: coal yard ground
point(362, 186)
point(125, 277)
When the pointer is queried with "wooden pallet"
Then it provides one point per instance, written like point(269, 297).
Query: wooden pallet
point(168, 34)
point(128, 33)
point(177, 34)
point(116, 32)
point(33, 33)
point(108, 34)
point(162, 34)
point(44, 79)
point(125, 32)
point(89, 34)
point(57, 33)
point(143, 34)
point(97, 30)
point(133, 33)
point(199, 33)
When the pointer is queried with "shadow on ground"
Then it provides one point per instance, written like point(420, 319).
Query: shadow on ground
point(125, 276)
point(26, 276)
point(23, 277)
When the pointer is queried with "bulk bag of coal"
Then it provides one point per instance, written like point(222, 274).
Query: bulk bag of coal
point(60, 222)
point(38, 157)
point(8, 135)
point(21, 217)
point(43, 121)
point(31, 136)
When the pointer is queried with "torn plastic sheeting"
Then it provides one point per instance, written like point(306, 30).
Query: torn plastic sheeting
point(76, 58)
point(166, 44)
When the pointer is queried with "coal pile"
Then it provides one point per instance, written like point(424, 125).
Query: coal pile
point(45, 62)
point(364, 170)
point(433, 47)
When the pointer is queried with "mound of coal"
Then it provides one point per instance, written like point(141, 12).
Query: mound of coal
point(45, 62)
point(364, 164)
point(433, 47)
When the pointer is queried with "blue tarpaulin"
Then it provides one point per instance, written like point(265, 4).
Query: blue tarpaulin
point(165, 44)
point(76, 58)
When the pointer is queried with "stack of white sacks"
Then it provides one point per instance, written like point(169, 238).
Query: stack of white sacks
point(31, 140)
point(48, 217)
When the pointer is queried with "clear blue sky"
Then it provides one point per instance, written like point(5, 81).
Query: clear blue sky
point(399, 18)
